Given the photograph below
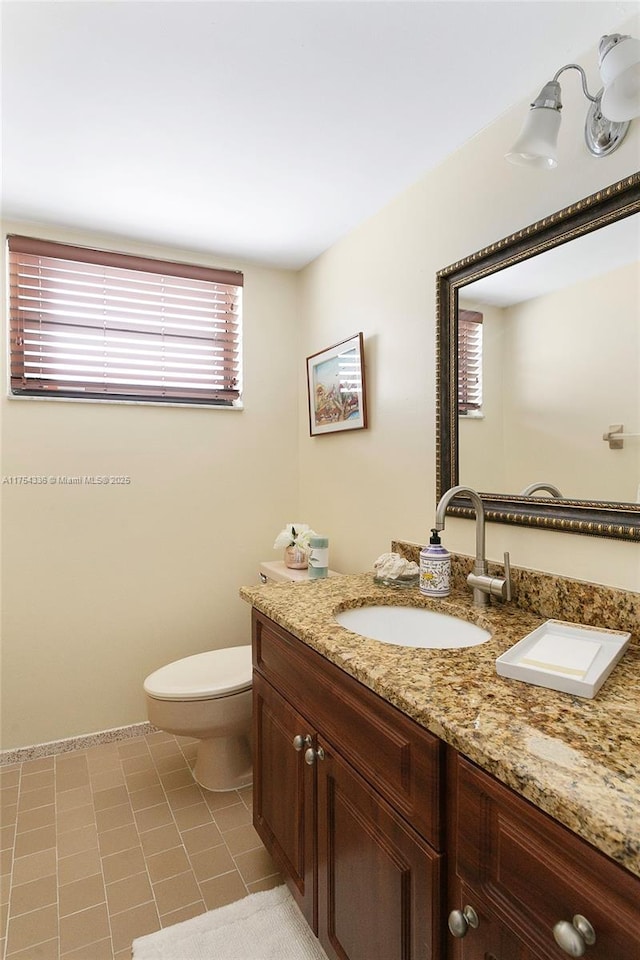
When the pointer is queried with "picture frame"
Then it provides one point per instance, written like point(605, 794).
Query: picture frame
point(336, 388)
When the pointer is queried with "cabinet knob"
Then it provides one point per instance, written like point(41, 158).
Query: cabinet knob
point(575, 937)
point(300, 742)
point(461, 920)
point(312, 755)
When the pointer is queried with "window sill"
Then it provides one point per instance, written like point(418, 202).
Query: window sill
point(238, 405)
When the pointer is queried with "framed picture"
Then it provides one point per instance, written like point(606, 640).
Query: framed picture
point(336, 388)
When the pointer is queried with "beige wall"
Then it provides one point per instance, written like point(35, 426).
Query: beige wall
point(363, 488)
point(543, 417)
point(556, 412)
point(102, 585)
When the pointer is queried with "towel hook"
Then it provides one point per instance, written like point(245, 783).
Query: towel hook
point(616, 436)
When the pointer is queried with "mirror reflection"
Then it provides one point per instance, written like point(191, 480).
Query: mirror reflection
point(562, 365)
point(559, 343)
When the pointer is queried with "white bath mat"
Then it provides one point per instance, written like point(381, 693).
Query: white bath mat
point(263, 926)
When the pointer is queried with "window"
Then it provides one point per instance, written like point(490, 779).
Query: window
point(107, 326)
point(469, 363)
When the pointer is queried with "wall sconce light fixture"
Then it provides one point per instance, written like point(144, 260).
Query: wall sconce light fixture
point(610, 111)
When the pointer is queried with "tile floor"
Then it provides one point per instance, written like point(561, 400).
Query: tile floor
point(104, 845)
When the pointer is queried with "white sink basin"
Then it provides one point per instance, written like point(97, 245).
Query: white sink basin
point(412, 627)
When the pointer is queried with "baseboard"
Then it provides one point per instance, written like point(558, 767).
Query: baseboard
point(34, 752)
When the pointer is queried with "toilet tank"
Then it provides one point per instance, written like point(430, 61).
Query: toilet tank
point(275, 570)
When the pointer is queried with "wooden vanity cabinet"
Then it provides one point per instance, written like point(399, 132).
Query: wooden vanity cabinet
point(342, 779)
point(355, 818)
point(523, 873)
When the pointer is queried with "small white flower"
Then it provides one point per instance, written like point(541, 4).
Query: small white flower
point(295, 535)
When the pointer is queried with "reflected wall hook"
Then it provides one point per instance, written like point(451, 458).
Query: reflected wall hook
point(616, 436)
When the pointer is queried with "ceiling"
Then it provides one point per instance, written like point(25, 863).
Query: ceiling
point(260, 131)
point(585, 258)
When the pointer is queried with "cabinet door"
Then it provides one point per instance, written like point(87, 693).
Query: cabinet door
point(400, 759)
point(533, 873)
point(490, 940)
point(378, 880)
point(284, 793)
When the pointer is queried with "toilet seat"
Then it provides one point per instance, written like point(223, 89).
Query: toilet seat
point(204, 676)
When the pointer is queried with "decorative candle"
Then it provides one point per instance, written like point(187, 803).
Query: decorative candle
point(318, 557)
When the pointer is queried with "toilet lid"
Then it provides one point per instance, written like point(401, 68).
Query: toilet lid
point(216, 673)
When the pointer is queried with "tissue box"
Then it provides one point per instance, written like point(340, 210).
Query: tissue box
point(565, 656)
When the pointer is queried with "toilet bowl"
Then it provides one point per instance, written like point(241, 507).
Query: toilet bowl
point(208, 696)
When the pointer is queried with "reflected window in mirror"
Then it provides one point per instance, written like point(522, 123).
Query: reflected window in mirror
point(469, 363)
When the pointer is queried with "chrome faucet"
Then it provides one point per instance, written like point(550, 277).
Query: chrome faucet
point(483, 586)
point(541, 485)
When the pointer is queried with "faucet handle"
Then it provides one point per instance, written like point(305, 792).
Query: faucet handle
point(484, 586)
point(507, 575)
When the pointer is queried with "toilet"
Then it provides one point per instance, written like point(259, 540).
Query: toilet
point(208, 696)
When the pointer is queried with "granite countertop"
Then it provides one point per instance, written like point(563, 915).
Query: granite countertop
point(575, 758)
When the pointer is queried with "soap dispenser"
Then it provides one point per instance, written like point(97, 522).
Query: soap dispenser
point(435, 568)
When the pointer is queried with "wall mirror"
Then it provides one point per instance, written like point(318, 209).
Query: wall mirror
point(559, 305)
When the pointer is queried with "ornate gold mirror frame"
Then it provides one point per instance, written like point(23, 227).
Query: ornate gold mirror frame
point(597, 518)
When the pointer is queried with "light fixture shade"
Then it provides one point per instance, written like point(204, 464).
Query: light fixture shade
point(537, 144)
point(620, 72)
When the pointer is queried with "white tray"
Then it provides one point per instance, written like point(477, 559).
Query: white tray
point(565, 656)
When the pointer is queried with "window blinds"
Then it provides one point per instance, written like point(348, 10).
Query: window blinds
point(469, 361)
point(93, 324)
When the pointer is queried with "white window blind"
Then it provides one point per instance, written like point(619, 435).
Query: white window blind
point(469, 362)
point(101, 325)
